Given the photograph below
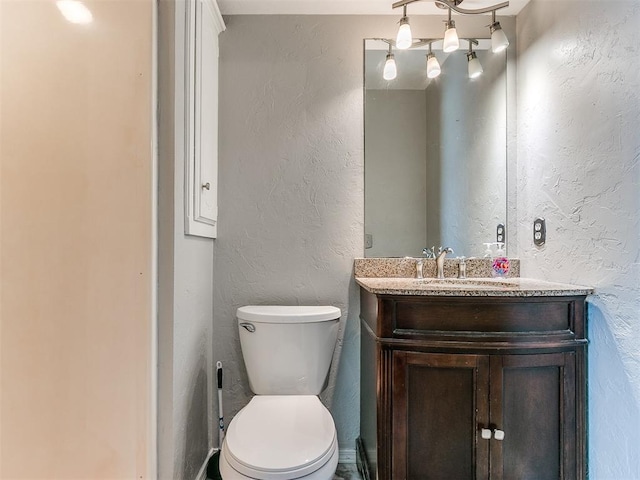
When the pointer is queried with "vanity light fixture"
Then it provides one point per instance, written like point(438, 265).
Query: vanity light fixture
point(451, 43)
point(499, 40)
point(405, 37)
point(433, 66)
point(474, 67)
point(390, 70)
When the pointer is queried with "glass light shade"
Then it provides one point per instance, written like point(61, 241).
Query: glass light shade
point(451, 42)
point(404, 38)
point(390, 71)
point(75, 11)
point(433, 66)
point(499, 40)
point(474, 67)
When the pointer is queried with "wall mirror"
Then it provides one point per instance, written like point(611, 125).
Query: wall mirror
point(435, 151)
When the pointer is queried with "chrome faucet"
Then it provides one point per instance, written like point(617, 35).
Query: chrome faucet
point(440, 261)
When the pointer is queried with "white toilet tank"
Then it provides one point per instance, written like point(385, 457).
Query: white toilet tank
point(287, 349)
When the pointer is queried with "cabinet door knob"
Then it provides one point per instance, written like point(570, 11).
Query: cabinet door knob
point(485, 433)
point(206, 186)
point(498, 434)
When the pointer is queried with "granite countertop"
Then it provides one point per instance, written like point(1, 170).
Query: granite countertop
point(471, 287)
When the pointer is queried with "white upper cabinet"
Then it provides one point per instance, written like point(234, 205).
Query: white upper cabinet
point(204, 24)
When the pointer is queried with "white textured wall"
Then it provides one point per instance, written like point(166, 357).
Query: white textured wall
point(579, 167)
point(185, 332)
point(291, 184)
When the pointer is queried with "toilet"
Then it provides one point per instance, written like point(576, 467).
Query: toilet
point(284, 432)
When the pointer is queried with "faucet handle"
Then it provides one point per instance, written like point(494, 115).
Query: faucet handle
point(429, 253)
point(444, 249)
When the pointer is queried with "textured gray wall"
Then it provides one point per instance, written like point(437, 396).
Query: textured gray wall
point(185, 307)
point(579, 167)
point(396, 172)
point(291, 180)
point(291, 185)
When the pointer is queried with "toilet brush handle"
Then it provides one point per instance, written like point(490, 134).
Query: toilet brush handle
point(220, 414)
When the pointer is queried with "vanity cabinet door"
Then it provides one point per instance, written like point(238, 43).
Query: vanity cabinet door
point(440, 403)
point(533, 401)
point(526, 405)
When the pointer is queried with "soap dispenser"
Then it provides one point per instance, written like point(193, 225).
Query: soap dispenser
point(500, 263)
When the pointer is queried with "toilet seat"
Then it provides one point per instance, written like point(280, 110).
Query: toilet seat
point(280, 437)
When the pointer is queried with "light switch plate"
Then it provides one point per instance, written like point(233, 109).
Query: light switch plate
point(539, 231)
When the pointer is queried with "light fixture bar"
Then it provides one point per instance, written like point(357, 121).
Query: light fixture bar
point(455, 7)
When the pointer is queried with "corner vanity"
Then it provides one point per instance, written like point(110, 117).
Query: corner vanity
point(475, 378)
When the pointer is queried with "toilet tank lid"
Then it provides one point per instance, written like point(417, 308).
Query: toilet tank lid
point(287, 313)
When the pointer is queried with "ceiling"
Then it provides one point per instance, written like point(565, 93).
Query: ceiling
point(349, 7)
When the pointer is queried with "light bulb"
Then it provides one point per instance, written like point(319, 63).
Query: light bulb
point(404, 39)
point(451, 42)
point(390, 71)
point(499, 40)
point(474, 67)
point(433, 66)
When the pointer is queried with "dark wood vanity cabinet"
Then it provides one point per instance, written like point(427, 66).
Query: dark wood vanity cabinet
point(472, 387)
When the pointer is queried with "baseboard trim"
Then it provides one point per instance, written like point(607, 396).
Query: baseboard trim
point(362, 461)
point(346, 455)
point(202, 473)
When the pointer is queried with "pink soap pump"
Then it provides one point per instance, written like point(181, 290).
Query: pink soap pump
point(500, 262)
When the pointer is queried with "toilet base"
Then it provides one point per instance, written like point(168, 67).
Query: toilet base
point(325, 472)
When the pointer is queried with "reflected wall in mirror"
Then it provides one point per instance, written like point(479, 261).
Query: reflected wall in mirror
point(435, 152)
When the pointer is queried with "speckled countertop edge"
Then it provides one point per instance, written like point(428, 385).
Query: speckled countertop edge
point(406, 267)
point(513, 287)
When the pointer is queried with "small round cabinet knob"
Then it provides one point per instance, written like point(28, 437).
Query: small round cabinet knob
point(485, 433)
point(206, 186)
point(498, 434)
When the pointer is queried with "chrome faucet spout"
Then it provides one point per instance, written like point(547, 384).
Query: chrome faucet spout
point(440, 261)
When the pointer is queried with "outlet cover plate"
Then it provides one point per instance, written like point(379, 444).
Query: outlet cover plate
point(539, 231)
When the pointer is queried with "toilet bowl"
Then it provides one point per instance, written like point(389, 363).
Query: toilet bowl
point(280, 438)
point(284, 432)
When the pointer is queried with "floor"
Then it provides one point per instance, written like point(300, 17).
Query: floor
point(347, 471)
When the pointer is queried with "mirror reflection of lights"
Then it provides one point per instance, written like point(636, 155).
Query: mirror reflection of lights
point(474, 67)
point(390, 71)
point(75, 11)
point(433, 66)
